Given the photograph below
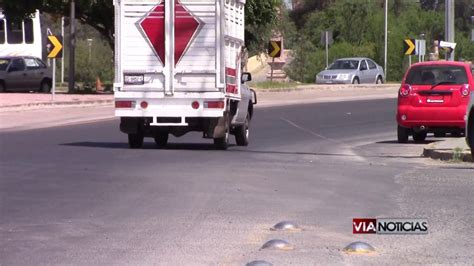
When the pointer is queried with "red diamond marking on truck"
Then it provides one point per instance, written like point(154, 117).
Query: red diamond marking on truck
point(153, 25)
point(186, 27)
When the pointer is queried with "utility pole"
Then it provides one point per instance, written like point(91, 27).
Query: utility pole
point(386, 39)
point(449, 26)
point(72, 46)
point(62, 58)
point(326, 37)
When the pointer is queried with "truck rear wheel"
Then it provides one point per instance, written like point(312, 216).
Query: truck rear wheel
point(135, 140)
point(161, 139)
point(242, 133)
point(222, 143)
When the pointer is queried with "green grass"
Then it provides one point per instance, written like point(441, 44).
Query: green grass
point(274, 85)
point(458, 154)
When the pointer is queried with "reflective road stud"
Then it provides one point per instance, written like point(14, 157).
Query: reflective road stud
point(286, 226)
point(359, 248)
point(277, 244)
point(259, 263)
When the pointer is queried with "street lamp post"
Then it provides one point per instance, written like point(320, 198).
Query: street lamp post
point(449, 26)
point(72, 45)
point(89, 42)
point(386, 39)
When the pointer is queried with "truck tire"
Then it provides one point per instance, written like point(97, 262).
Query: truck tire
point(135, 141)
point(242, 133)
point(223, 142)
point(419, 136)
point(402, 134)
point(161, 139)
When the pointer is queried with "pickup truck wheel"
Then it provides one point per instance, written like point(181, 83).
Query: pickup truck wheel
point(223, 143)
point(402, 134)
point(2, 86)
point(419, 137)
point(356, 81)
point(161, 139)
point(242, 133)
point(135, 141)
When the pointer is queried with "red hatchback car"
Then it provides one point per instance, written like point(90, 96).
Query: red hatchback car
point(432, 99)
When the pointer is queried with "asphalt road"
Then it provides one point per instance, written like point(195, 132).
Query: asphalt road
point(77, 195)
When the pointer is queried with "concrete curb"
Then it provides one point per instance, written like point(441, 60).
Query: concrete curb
point(333, 87)
point(447, 154)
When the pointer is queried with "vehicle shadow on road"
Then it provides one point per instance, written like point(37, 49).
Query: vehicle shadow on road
point(409, 142)
point(146, 146)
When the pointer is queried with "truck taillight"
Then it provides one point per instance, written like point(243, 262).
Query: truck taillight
point(195, 105)
point(465, 90)
point(124, 104)
point(405, 90)
point(214, 104)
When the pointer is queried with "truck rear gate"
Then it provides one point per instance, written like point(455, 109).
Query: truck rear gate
point(179, 46)
point(178, 61)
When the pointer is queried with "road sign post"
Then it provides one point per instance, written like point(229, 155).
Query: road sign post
point(55, 50)
point(274, 50)
point(53, 85)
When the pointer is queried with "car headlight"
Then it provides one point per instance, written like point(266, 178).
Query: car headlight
point(134, 79)
point(343, 76)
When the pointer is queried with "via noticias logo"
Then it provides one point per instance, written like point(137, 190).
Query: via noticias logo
point(390, 226)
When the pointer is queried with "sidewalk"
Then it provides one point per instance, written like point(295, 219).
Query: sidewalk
point(29, 101)
point(450, 149)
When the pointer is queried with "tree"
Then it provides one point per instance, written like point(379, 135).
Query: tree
point(261, 16)
point(97, 13)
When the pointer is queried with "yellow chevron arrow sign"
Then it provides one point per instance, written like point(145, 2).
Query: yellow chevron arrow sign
point(409, 46)
point(55, 46)
point(274, 49)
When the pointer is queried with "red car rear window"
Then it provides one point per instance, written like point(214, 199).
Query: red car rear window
point(431, 75)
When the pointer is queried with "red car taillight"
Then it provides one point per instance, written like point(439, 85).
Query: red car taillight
point(465, 90)
point(405, 90)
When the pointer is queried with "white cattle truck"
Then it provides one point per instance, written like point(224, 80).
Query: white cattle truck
point(178, 69)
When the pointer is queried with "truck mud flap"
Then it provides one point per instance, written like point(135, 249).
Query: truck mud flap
point(129, 125)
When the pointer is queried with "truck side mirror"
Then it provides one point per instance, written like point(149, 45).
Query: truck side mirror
point(246, 77)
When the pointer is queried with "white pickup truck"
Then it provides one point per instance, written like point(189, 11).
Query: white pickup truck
point(178, 69)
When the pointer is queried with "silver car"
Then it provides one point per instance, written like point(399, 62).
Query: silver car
point(24, 73)
point(354, 70)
